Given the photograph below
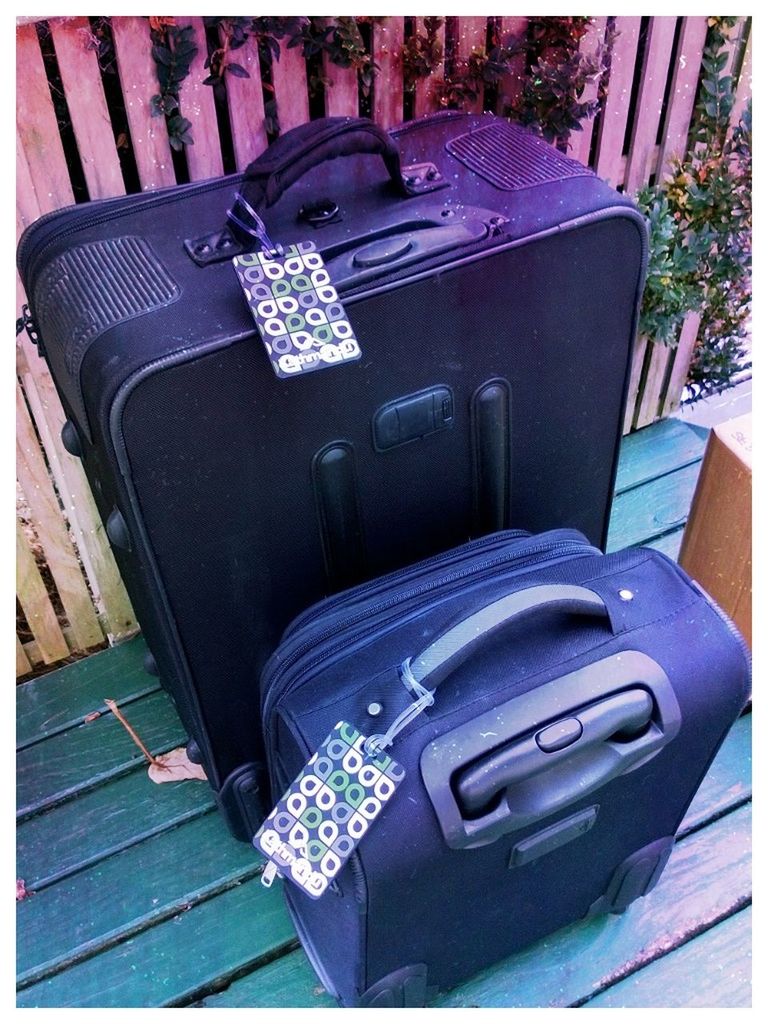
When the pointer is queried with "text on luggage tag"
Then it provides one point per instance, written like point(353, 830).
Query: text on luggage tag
point(297, 310)
point(325, 812)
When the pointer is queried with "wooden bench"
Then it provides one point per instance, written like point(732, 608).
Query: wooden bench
point(138, 896)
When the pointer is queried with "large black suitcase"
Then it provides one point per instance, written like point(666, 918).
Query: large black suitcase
point(578, 700)
point(493, 285)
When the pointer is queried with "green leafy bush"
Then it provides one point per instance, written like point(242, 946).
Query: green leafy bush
point(700, 220)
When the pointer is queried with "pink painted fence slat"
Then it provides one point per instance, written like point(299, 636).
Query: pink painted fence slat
point(388, 39)
point(36, 605)
point(744, 88)
point(196, 103)
point(512, 84)
point(149, 137)
point(580, 143)
point(81, 78)
point(681, 362)
point(289, 80)
point(613, 120)
point(658, 49)
point(245, 102)
point(682, 97)
point(52, 533)
point(340, 90)
point(37, 127)
point(425, 98)
point(470, 37)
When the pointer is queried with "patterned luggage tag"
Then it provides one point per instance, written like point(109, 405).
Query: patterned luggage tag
point(297, 310)
point(326, 811)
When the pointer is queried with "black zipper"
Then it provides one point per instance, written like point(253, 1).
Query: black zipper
point(317, 646)
point(81, 218)
point(324, 606)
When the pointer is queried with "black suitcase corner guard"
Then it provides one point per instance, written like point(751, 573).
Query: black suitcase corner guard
point(405, 987)
point(244, 799)
point(634, 877)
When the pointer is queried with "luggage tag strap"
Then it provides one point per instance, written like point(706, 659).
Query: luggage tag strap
point(256, 228)
point(424, 699)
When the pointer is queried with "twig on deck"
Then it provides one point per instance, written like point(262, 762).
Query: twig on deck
point(133, 734)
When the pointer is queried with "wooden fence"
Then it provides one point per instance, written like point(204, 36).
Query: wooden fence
point(70, 595)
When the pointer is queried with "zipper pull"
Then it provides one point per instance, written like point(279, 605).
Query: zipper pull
point(25, 322)
point(269, 874)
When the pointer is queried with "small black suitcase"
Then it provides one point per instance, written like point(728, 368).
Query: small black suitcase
point(492, 284)
point(578, 700)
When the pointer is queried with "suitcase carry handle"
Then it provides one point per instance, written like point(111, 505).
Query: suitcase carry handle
point(453, 648)
point(304, 147)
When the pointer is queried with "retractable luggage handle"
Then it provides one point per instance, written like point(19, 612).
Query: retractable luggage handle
point(496, 774)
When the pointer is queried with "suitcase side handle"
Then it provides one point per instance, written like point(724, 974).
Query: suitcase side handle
point(304, 147)
point(454, 647)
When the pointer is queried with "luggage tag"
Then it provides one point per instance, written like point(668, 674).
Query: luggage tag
point(297, 311)
point(322, 816)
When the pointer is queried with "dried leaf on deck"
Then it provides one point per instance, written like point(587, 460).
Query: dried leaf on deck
point(175, 766)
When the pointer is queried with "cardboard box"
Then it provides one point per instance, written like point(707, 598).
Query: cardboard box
point(717, 543)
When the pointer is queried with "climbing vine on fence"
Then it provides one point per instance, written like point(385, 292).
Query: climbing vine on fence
point(339, 39)
point(700, 221)
point(173, 50)
point(552, 98)
point(551, 101)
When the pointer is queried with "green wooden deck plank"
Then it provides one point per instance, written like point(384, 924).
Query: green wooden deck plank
point(289, 981)
point(655, 451)
point(669, 543)
point(146, 883)
point(102, 821)
point(96, 891)
point(90, 753)
point(729, 780)
point(655, 508)
point(727, 784)
point(708, 876)
point(55, 701)
point(172, 962)
point(712, 970)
